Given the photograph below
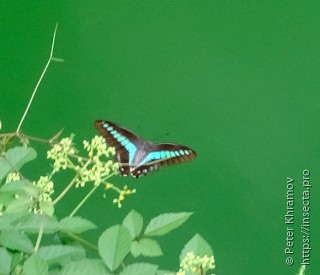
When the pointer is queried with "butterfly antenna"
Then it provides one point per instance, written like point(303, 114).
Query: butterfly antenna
point(161, 137)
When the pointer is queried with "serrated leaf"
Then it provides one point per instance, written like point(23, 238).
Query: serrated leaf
point(15, 158)
point(76, 225)
point(20, 187)
point(61, 254)
point(198, 246)
point(85, 267)
point(165, 223)
point(16, 240)
point(13, 188)
point(10, 220)
point(133, 222)
point(149, 248)
point(5, 261)
point(140, 268)
point(47, 208)
point(19, 204)
point(10, 190)
point(34, 222)
point(35, 265)
point(114, 245)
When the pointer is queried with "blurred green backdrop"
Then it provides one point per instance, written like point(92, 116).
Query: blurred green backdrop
point(238, 81)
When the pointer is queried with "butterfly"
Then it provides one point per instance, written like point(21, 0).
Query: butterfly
point(137, 157)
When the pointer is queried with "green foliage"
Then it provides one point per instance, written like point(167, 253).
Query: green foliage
point(139, 268)
point(196, 257)
point(198, 246)
point(5, 261)
point(147, 247)
point(15, 158)
point(61, 254)
point(16, 240)
point(75, 225)
point(27, 217)
point(114, 245)
point(134, 222)
point(85, 267)
point(35, 265)
point(165, 223)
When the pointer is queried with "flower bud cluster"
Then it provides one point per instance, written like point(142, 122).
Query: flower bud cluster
point(196, 264)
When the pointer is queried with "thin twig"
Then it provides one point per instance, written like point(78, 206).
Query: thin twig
point(39, 81)
point(8, 134)
point(84, 200)
point(65, 190)
point(88, 196)
point(81, 240)
point(36, 247)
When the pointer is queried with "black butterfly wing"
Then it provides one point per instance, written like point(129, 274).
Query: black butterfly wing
point(124, 141)
point(163, 154)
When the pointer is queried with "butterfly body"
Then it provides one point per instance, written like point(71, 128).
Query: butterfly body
point(137, 157)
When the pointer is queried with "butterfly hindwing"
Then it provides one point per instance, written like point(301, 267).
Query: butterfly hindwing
point(163, 154)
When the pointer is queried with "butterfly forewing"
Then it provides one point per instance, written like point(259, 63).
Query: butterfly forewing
point(125, 143)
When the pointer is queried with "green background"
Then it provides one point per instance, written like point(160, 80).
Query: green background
point(238, 81)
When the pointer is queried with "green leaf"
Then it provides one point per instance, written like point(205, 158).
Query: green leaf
point(5, 261)
point(76, 225)
point(16, 259)
point(165, 272)
point(165, 223)
point(8, 191)
point(35, 266)
point(47, 207)
point(198, 246)
point(133, 222)
point(149, 248)
point(135, 249)
point(114, 245)
point(140, 268)
point(15, 158)
point(16, 240)
point(13, 188)
point(6, 198)
point(11, 220)
point(19, 204)
point(55, 271)
point(85, 267)
point(61, 254)
point(31, 189)
point(34, 222)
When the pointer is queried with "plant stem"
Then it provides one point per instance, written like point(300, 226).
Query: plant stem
point(84, 200)
point(65, 190)
point(39, 236)
point(39, 81)
point(76, 237)
point(8, 134)
point(37, 139)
